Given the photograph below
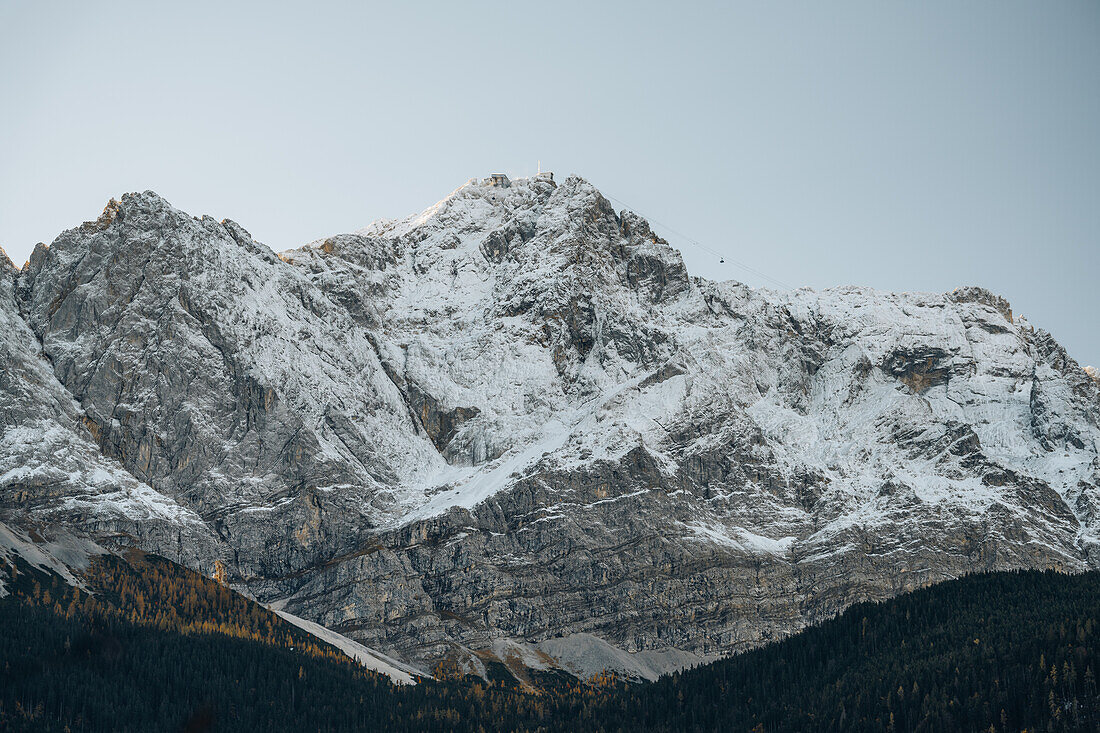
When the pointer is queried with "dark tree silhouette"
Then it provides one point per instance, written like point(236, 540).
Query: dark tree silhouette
point(157, 647)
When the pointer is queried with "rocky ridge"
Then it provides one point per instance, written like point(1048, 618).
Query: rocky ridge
point(514, 427)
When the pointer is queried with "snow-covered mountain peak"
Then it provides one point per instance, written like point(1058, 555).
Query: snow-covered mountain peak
point(139, 223)
point(519, 403)
point(497, 218)
point(476, 203)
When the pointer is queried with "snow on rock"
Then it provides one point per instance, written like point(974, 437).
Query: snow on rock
point(59, 554)
point(515, 415)
point(51, 466)
point(743, 540)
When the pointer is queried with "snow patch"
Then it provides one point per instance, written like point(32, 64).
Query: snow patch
point(742, 539)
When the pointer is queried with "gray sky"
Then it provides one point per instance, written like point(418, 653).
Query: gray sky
point(916, 146)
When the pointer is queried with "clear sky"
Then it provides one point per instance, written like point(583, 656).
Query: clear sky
point(905, 146)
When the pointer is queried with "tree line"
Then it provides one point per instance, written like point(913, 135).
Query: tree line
point(154, 646)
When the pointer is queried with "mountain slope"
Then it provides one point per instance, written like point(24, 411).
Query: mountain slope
point(140, 643)
point(1005, 651)
point(50, 464)
point(515, 422)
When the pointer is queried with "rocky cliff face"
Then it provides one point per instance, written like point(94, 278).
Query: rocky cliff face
point(514, 423)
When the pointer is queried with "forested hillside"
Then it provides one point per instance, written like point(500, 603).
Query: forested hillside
point(160, 648)
point(1000, 652)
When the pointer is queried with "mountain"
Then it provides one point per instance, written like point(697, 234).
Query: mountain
point(514, 429)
